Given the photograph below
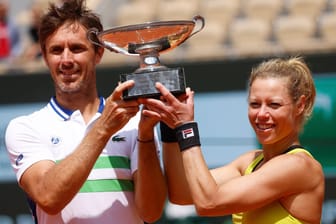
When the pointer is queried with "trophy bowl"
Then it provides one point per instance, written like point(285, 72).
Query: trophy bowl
point(147, 41)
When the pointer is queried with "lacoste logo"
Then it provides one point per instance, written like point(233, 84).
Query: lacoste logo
point(118, 138)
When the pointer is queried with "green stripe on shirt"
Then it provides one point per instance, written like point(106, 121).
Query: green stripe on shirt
point(109, 185)
point(114, 185)
point(112, 162)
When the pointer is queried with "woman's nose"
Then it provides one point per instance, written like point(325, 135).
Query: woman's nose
point(263, 111)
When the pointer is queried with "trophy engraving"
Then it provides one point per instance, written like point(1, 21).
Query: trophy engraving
point(147, 41)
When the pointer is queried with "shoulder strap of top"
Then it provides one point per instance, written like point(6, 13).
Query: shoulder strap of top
point(254, 163)
point(260, 157)
point(296, 150)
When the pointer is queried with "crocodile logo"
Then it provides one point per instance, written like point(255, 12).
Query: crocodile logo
point(118, 138)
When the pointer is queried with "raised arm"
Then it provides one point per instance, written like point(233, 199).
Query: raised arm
point(150, 184)
point(52, 185)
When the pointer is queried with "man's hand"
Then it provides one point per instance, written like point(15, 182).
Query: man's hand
point(118, 112)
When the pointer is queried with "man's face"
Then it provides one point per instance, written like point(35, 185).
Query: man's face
point(71, 59)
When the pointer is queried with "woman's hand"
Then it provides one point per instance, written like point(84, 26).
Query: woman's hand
point(171, 110)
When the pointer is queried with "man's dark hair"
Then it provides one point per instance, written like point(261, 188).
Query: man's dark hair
point(70, 12)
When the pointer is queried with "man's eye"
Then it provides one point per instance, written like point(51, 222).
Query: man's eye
point(77, 49)
point(56, 50)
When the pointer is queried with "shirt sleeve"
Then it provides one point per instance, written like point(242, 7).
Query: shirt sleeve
point(24, 145)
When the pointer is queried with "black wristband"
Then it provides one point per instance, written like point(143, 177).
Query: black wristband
point(167, 134)
point(188, 136)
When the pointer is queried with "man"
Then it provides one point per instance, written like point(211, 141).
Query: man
point(83, 159)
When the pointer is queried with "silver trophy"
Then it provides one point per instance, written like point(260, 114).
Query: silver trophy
point(148, 41)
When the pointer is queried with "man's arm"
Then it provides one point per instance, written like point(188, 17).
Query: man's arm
point(150, 185)
point(52, 186)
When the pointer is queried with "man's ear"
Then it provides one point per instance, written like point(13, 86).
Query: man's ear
point(99, 54)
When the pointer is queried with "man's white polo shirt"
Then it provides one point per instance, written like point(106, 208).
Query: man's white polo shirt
point(52, 133)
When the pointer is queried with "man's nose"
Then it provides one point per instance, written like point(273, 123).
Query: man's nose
point(66, 60)
point(67, 55)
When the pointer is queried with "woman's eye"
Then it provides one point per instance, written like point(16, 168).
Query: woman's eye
point(275, 105)
point(254, 104)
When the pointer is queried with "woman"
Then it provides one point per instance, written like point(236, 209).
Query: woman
point(280, 183)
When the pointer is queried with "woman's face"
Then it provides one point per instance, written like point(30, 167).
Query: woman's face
point(271, 111)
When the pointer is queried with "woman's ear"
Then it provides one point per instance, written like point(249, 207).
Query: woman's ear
point(301, 104)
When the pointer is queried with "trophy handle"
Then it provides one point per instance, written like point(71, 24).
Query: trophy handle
point(197, 27)
point(197, 19)
point(92, 35)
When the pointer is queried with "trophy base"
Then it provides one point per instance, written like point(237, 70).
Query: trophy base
point(172, 78)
